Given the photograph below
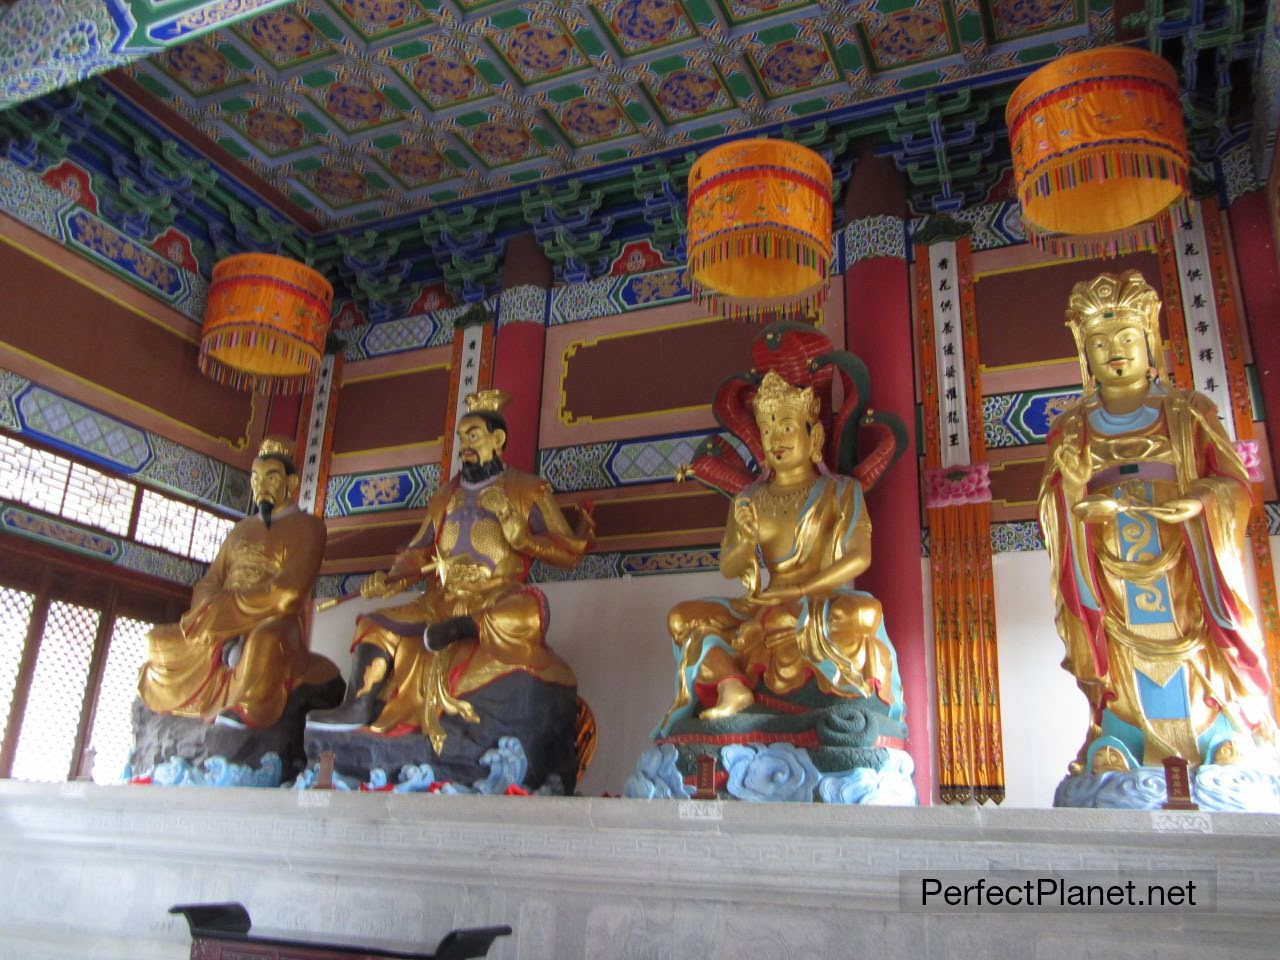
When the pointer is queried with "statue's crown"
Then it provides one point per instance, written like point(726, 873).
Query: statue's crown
point(276, 446)
point(1108, 297)
point(487, 401)
point(775, 395)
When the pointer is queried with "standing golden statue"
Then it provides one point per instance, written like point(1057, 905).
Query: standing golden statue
point(811, 532)
point(478, 621)
point(242, 647)
point(1144, 507)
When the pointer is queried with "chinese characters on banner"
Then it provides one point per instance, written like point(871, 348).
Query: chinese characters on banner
point(953, 429)
point(1204, 336)
point(311, 463)
point(469, 359)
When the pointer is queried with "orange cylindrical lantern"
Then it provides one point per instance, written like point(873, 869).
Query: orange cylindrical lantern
point(760, 229)
point(1099, 150)
point(265, 323)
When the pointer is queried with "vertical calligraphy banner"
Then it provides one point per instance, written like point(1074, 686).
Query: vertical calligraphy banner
point(958, 498)
point(1200, 314)
point(315, 442)
point(948, 343)
point(470, 371)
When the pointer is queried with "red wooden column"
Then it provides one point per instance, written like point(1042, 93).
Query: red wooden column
point(283, 415)
point(1254, 244)
point(520, 345)
point(877, 297)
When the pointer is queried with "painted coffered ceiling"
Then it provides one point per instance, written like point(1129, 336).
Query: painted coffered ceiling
point(399, 144)
point(357, 110)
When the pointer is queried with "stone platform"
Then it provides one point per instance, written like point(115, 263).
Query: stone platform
point(91, 871)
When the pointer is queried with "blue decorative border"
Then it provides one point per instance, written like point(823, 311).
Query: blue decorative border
point(1007, 536)
point(609, 296)
point(24, 196)
point(85, 541)
point(992, 225)
point(337, 584)
point(524, 304)
point(870, 237)
point(1015, 536)
point(621, 463)
point(29, 409)
point(1023, 418)
point(407, 488)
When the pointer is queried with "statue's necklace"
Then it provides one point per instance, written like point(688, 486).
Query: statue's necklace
point(778, 504)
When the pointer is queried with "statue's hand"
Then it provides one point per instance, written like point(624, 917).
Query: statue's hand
point(780, 594)
point(377, 588)
point(1096, 508)
point(744, 518)
point(1177, 511)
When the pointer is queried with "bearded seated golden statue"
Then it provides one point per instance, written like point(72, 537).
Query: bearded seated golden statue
point(241, 649)
point(809, 530)
point(478, 621)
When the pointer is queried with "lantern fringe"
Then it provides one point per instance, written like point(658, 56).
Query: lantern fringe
point(1118, 243)
point(773, 244)
point(293, 351)
point(1099, 166)
point(755, 312)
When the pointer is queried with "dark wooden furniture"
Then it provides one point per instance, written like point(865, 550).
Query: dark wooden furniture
point(221, 931)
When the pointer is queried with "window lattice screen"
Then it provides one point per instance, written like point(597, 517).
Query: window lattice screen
point(32, 476)
point(60, 486)
point(99, 500)
point(112, 735)
point(210, 532)
point(48, 734)
point(165, 523)
point(15, 616)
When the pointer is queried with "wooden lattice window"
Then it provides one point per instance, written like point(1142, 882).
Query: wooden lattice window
point(71, 642)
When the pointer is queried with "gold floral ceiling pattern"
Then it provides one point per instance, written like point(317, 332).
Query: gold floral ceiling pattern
point(361, 109)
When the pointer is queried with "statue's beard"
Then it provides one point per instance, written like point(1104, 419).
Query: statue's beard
point(478, 472)
point(264, 511)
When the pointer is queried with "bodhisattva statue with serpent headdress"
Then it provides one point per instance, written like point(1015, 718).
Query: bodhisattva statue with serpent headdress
point(1144, 507)
point(794, 686)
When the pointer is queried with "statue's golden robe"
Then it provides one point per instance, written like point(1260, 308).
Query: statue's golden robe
point(488, 585)
point(838, 639)
point(242, 645)
point(1153, 615)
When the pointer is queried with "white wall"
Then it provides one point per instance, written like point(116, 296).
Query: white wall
point(1044, 714)
point(613, 634)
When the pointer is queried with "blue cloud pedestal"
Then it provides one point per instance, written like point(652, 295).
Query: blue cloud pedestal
point(807, 747)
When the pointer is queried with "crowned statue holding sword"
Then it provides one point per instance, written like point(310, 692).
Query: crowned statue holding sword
point(431, 664)
point(1144, 506)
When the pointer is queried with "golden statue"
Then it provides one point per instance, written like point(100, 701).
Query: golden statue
point(242, 647)
point(1144, 506)
point(810, 530)
point(482, 531)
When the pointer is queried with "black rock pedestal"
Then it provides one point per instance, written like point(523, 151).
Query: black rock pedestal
point(542, 716)
point(186, 750)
